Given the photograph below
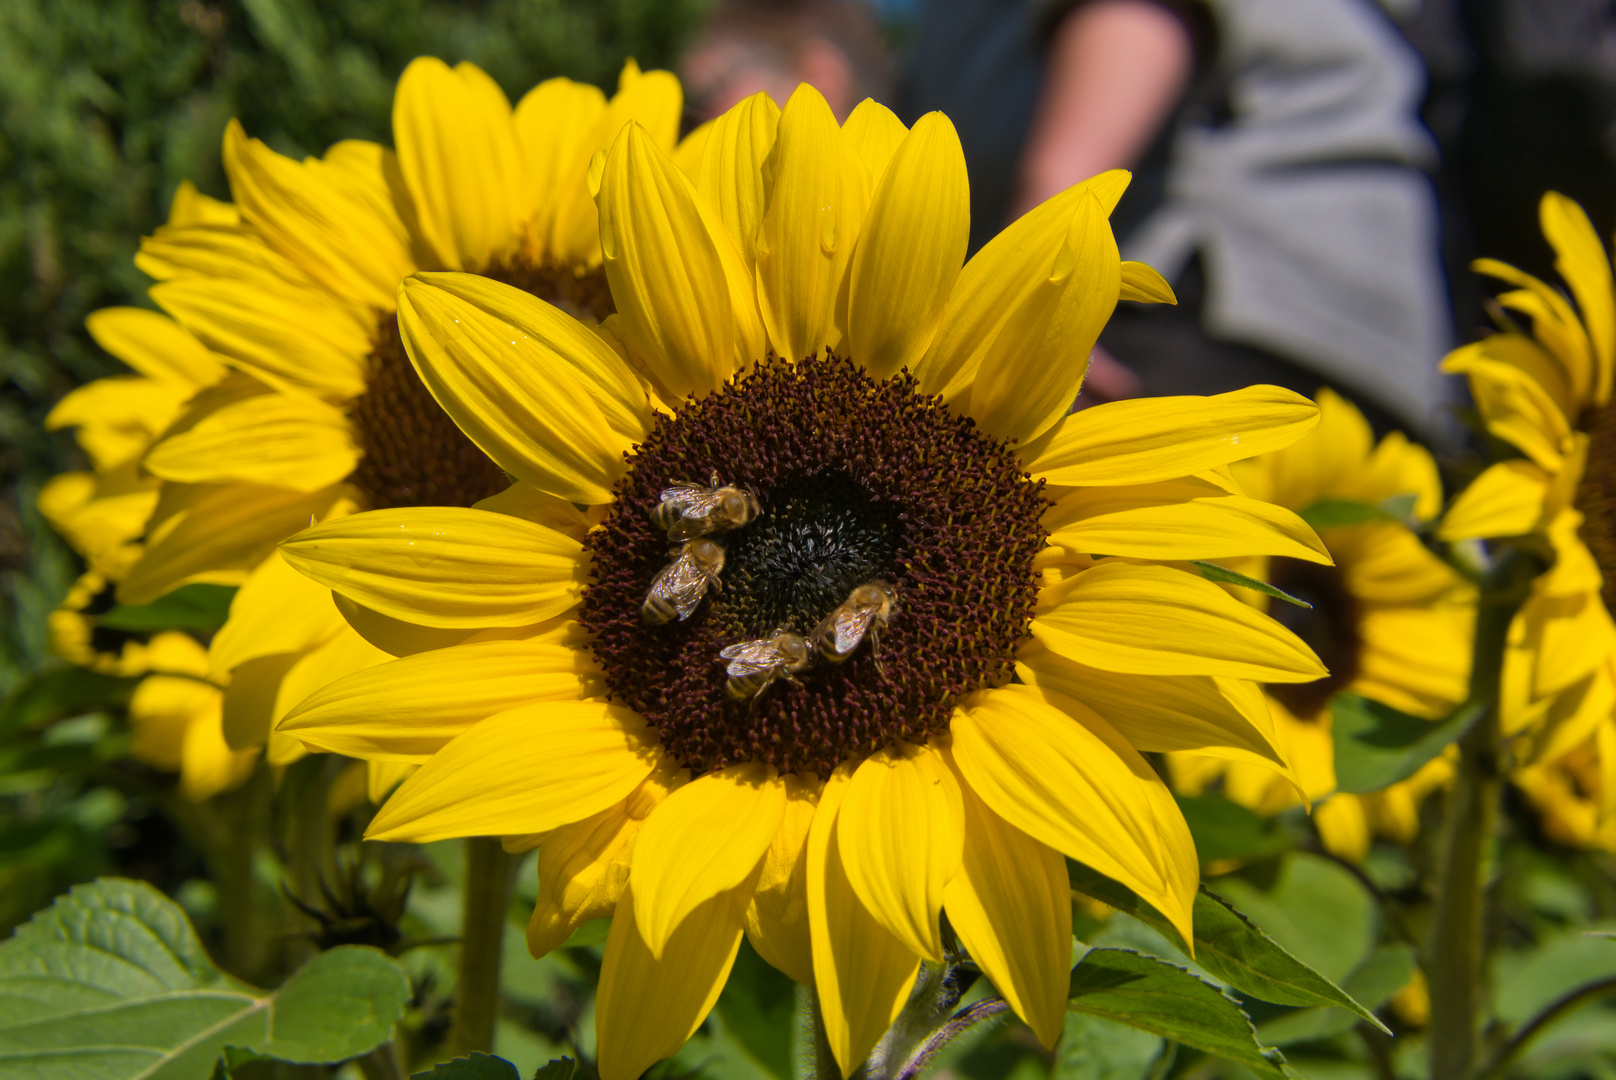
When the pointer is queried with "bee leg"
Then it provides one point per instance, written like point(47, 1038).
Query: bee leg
point(875, 651)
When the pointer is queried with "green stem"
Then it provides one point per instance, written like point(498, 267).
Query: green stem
point(234, 854)
point(1454, 951)
point(383, 1063)
point(489, 874)
point(824, 1061)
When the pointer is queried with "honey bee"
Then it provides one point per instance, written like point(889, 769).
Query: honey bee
point(865, 611)
point(754, 665)
point(690, 510)
point(680, 585)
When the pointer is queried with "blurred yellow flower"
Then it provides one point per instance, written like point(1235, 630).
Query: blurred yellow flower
point(1390, 619)
point(311, 408)
point(1548, 394)
point(834, 815)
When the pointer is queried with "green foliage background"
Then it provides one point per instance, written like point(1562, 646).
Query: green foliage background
point(106, 105)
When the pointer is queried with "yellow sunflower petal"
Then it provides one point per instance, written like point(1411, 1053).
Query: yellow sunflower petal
point(161, 710)
point(154, 345)
point(1150, 439)
point(900, 834)
point(230, 528)
point(118, 417)
point(873, 132)
point(391, 635)
point(236, 252)
point(648, 1006)
point(190, 207)
point(815, 193)
point(1508, 499)
point(1011, 904)
point(584, 867)
point(554, 123)
point(777, 918)
point(692, 148)
point(706, 839)
point(459, 156)
point(731, 175)
point(276, 610)
point(996, 283)
point(534, 388)
point(1053, 769)
point(1399, 467)
point(862, 973)
point(652, 99)
point(1160, 714)
point(527, 770)
point(1554, 324)
point(445, 566)
point(675, 275)
point(1581, 260)
point(1143, 285)
point(207, 765)
point(381, 777)
point(291, 338)
point(1058, 321)
point(1517, 409)
point(910, 249)
point(410, 708)
point(345, 654)
point(308, 213)
point(284, 439)
point(1171, 521)
point(1155, 620)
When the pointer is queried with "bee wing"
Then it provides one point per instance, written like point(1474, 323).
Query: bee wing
point(851, 626)
point(749, 658)
point(690, 527)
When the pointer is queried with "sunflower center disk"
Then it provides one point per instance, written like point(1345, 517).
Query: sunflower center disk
point(1596, 498)
point(857, 480)
point(1330, 630)
point(412, 453)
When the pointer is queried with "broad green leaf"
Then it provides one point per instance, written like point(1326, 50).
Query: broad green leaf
point(1312, 906)
point(1376, 746)
point(1225, 830)
point(189, 607)
point(1095, 1049)
point(1153, 995)
point(1338, 513)
point(1224, 576)
point(563, 1068)
point(1387, 971)
point(489, 1067)
point(1228, 946)
point(111, 982)
point(1530, 981)
point(759, 1006)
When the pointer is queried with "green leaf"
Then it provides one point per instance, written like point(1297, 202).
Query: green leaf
point(1096, 1049)
point(1155, 996)
point(1226, 830)
point(62, 692)
point(1337, 513)
point(1376, 746)
point(592, 932)
point(758, 1007)
point(110, 981)
point(1228, 946)
point(1313, 907)
point(1224, 576)
point(490, 1067)
point(189, 607)
point(563, 1068)
point(1386, 971)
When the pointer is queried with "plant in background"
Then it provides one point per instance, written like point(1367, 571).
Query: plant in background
point(1390, 619)
point(902, 449)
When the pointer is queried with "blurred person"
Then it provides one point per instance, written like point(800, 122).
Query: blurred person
point(1278, 181)
point(773, 45)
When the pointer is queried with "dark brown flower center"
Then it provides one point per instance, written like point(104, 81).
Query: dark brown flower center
point(857, 480)
point(412, 454)
point(1596, 498)
point(1330, 629)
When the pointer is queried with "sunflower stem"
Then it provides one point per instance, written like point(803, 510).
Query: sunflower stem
point(489, 877)
point(1455, 950)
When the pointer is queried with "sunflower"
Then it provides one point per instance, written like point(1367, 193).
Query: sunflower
point(175, 713)
point(1391, 620)
point(320, 413)
point(1547, 393)
point(795, 320)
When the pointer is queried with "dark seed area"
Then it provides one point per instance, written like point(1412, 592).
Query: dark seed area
point(412, 454)
point(857, 479)
point(1596, 498)
point(1331, 630)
